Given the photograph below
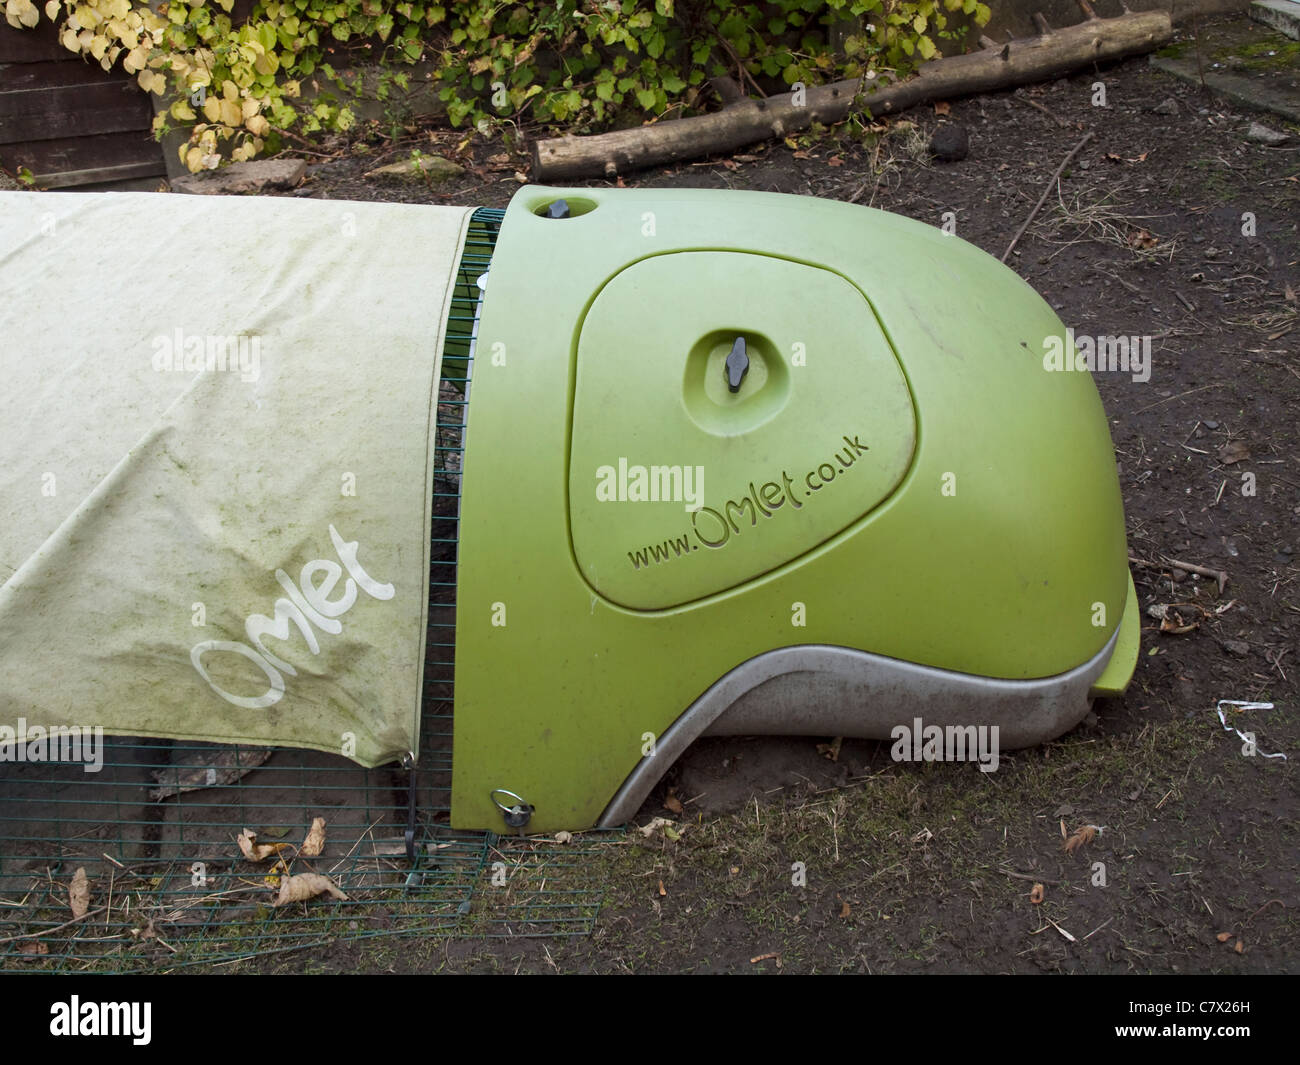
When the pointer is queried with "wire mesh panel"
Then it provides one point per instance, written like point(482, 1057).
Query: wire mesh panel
point(135, 863)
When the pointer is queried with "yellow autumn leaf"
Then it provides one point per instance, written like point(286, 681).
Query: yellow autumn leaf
point(258, 125)
point(182, 111)
point(291, 89)
point(918, 23)
point(134, 60)
point(52, 9)
point(266, 64)
point(926, 47)
point(28, 15)
point(98, 47)
point(229, 90)
point(230, 112)
point(193, 160)
point(212, 109)
point(250, 107)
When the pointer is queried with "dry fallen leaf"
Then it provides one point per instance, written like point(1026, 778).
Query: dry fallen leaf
point(315, 841)
point(845, 908)
point(1080, 836)
point(673, 803)
point(835, 160)
point(1142, 238)
point(33, 948)
point(254, 851)
point(79, 894)
point(662, 890)
point(564, 837)
point(1240, 947)
point(1235, 451)
point(1036, 896)
point(942, 107)
point(1223, 937)
point(303, 886)
point(831, 750)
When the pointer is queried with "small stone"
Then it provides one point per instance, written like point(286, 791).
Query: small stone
point(1210, 424)
point(950, 143)
point(1236, 647)
point(1263, 135)
point(243, 178)
point(1178, 574)
point(1167, 106)
point(432, 168)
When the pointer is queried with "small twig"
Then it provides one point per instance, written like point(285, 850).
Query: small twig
point(1037, 106)
point(1043, 198)
point(1098, 928)
point(56, 928)
point(739, 63)
point(1262, 909)
point(1170, 399)
point(1031, 879)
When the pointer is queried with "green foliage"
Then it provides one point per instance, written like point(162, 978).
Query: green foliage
point(582, 64)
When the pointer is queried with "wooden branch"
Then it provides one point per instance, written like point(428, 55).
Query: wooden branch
point(1043, 198)
point(1018, 63)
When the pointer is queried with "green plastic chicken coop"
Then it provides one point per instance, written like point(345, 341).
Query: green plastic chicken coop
point(647, 465)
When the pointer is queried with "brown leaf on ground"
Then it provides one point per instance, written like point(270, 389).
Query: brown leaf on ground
point(254, 851)
point(1036, 896)
point(831, 750)
point(1142, 238)
point(1223, 937)
point(32, 948)
point(942, 107)
point(1240, 947)
point(845, 908)
point(662, 890)
point(673, 803)
point(315, 841)
point(1079, 837)
point(1235, 451)
point(79, 894)
point(303, 886)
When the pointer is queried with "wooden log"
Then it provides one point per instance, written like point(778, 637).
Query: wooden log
point(1019, 62)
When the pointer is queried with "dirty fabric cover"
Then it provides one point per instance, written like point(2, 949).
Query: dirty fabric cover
point(266, 524)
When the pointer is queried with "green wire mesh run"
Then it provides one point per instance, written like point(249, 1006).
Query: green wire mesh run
point(155, 829)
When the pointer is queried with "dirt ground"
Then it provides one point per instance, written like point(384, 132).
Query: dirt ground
point(930, 868)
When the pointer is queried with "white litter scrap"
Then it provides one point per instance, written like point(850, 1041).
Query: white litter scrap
point(1244, 706)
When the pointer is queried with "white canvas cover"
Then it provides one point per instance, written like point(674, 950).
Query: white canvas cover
point(235, 554)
